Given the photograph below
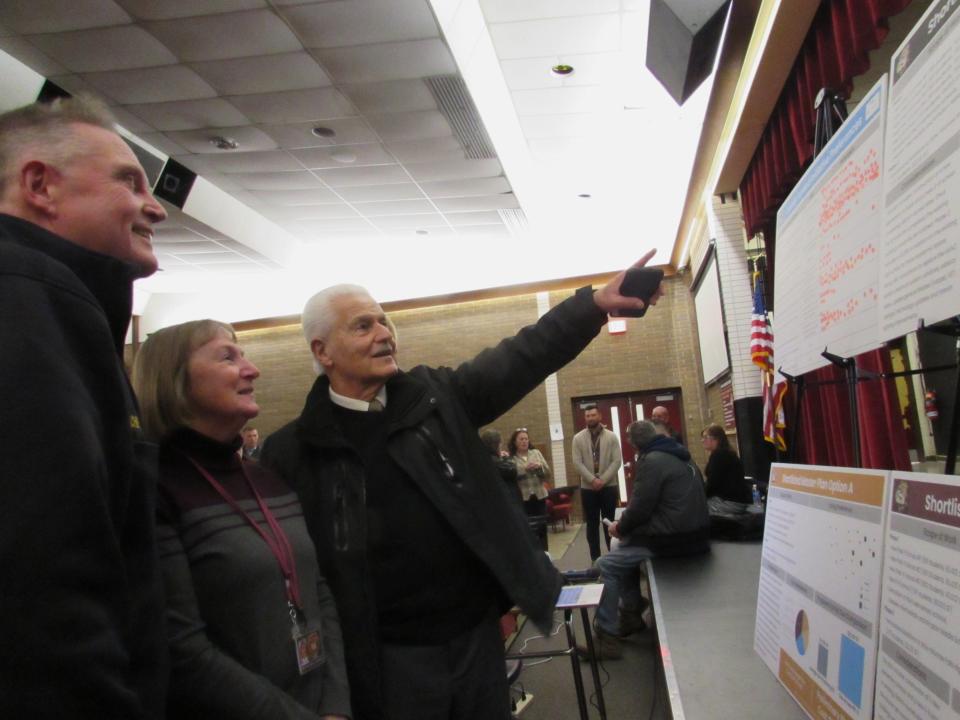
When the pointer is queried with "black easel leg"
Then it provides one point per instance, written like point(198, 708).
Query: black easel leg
point(854, 414)
point(951, 464)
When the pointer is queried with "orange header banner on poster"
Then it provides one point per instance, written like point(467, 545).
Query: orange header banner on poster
point(861, 486)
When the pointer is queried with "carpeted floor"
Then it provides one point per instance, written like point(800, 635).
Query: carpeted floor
point(627, 683)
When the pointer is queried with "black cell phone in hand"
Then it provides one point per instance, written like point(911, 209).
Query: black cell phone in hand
point(641, 282)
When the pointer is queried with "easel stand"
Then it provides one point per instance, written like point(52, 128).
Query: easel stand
point(849, 366)
point(952, 330)
point(831, 112)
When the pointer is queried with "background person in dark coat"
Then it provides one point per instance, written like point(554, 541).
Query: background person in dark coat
point(396, 489)
point(81, 617)
point(666, 516)
point(724, 471)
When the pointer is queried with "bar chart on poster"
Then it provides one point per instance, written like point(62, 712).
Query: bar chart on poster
point(918, 671)
point(921, 257)
point(829, 233)
point(818, 603)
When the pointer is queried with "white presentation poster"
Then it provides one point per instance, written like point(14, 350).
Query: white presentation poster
point(829, 231)
point(818, 603)
point(918, 672)
point(921, 255)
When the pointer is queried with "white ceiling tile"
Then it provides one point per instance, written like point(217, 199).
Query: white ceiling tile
point(466, 188)
point(172, 233)
point(321, 236)
point(245, 162)
point(397, 207)
point(190, 114)
point(130, 121)
point(394, 127)
point(153, 10)
point(263, 74)
point(410, 222)
point(326, 225)
point(337, 24)
point(502, 11)
point(546, 126)
point(558, 36)
point(22, 50)
point(251, 32)
point(387, 61)
point(113, 48)
point(471, 204)
point(288, 213)
point(163, 144)
point(302, 180)
point(372, 175)
point(477, 232)
point(340, 156)
point(454, 170)
point(441, 148)
point(250, 140)
point(76, 85)
point(157, 84)
point(417, 235)
point(483, 217)
point(391, 97)
point(591, 69)
point(313, 196)
point(380, 193)
point(294, 106)
point(299, 135)
point(565, 101)
point(49, 16)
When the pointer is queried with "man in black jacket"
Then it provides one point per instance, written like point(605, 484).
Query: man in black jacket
point(422, 550)
point(80, 600)
point(666, 516)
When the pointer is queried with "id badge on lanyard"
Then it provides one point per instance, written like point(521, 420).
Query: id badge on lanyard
point(307, 641)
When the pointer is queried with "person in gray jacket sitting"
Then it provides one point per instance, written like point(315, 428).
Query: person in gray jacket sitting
point(667, 516)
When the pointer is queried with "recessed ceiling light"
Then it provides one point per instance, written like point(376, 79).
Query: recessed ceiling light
point(324, 132)
point(224, 143)
point(423, 232)
point(344, 157)
point(584, 195)
point(562, 70)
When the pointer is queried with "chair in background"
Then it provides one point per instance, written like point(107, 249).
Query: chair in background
point(559, 507)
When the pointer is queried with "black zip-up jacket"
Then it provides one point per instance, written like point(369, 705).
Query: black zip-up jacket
point(81, 617)
point(434, 440)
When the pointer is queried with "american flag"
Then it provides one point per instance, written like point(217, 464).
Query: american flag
point(761, 352)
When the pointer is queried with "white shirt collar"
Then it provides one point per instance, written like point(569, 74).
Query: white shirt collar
point(354, 404)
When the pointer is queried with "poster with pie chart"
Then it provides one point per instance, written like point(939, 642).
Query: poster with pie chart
point(818, 604)
point(801, 632)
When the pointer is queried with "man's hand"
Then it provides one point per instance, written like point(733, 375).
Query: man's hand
point(613, 530)
point(596, 483)
point(608, 298)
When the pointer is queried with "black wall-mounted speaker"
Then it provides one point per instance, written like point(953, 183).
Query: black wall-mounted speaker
point(681, 52)
point(174, 183)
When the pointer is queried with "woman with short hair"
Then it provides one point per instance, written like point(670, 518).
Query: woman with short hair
point(251, 623)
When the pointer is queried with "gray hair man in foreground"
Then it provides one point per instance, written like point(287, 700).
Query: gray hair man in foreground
point(422, 547)
point(80, 604)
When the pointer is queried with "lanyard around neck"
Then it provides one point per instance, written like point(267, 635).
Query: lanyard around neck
point(279, 544)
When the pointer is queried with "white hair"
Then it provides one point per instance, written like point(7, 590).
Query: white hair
point(318, 315)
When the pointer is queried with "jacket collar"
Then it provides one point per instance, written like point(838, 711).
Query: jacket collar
point(409, 404)
point(109, 280)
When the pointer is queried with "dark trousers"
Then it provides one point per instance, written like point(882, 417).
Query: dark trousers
point(463, 679)
point(597, 504)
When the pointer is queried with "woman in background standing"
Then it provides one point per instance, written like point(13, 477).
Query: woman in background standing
point(532, 472)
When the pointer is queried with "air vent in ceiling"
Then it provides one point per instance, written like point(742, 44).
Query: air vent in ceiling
point(457, 107)
point(515, 221)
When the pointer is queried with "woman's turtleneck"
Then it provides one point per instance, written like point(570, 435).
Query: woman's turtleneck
point(205, 450)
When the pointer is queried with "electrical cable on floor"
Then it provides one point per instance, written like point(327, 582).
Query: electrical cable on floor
point(530, 663)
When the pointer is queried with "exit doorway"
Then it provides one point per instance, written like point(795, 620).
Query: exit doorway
point(619, 410)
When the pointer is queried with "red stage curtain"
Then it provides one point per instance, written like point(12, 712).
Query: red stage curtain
point(823, 435)
point(835, 51)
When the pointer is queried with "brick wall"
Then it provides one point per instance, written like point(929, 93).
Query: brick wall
point(658, 351)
